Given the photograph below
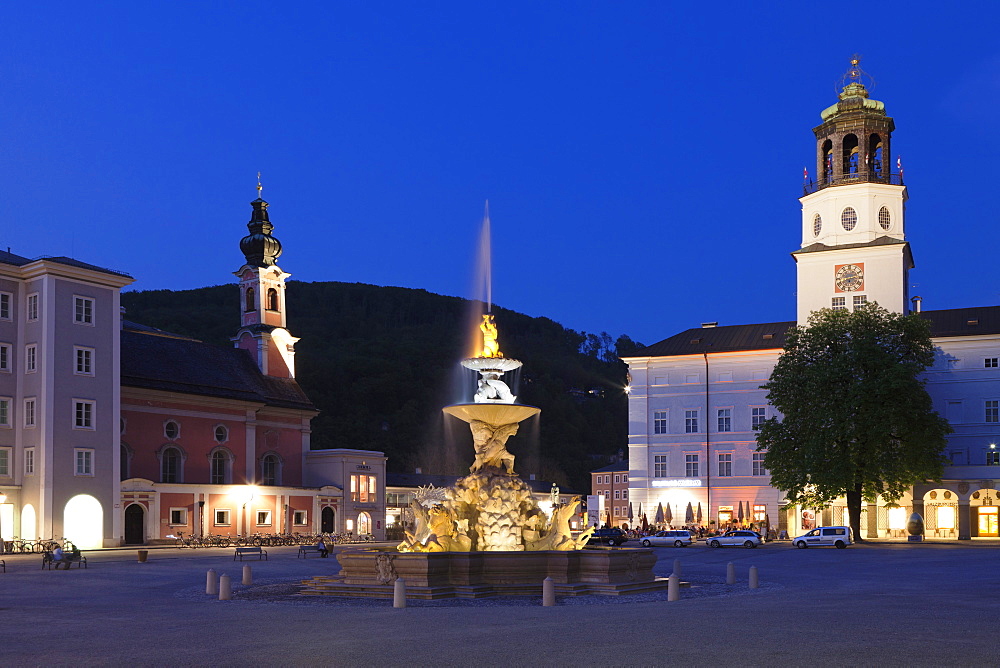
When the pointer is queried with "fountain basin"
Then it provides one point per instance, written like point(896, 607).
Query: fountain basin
point(436, 575)
point(498, 365)
point(494, 414)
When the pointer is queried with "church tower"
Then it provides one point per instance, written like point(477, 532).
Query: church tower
point(854, 248)
point(262, 298)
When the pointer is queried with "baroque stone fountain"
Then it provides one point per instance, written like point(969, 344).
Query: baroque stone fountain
point(486, 535)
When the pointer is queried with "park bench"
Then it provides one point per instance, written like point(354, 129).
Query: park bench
point(48, 561)
point(306, 550)
point(250, 551)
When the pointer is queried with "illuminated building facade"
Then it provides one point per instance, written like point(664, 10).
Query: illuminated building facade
point(696, 401)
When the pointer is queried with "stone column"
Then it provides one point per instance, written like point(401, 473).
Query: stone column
point(964, 520)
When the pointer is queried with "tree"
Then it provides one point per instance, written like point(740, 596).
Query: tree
point(857, 420)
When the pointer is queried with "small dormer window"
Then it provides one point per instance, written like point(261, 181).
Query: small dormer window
point(768, 337)
point(972, 323)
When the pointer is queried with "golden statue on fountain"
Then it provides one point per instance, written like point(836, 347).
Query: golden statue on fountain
point(491, 509)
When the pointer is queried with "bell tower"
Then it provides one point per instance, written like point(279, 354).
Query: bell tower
point(262, 298)
point(854, 248)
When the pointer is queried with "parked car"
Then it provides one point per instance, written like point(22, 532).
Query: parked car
point(742, 537)
point(612, 536)
point(839, 537)
point(677, 538)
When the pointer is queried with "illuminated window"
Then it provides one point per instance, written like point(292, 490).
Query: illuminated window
point(222, 516)
point(759, 513)
point(263, 518)
point(691, 422)
point(364, 488)
point(272, 299)
point(946, 517)
point(897, 518)
point(659, 466)
point(83, 310)
point(84, 461)
point(992, 458)
point(691, 466)
point(725, 465)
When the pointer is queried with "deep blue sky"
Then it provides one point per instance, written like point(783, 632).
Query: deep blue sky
point(642, 160)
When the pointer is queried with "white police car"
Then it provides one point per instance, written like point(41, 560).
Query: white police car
point(838, 537)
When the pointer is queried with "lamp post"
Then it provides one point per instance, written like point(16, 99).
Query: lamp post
point(247, 498)
point(3, 544)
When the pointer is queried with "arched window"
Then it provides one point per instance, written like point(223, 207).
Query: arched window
point(250, 302)
point(272, 299)
point(828, 161)
point(270, 470)
point(851, 155)
point(171, 465)
point(875, 149)
point(884, 218)
point(817, 225)
point(126, 461)
point(221, 467)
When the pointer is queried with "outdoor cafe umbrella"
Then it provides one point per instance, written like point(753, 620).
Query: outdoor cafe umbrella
point(630, 515)
point(739, 513)
point(663, 517)
point(699, 512)
point(689, 514)
point(645, 523)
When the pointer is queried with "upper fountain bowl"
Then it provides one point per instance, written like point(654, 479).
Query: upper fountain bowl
point(487, 364)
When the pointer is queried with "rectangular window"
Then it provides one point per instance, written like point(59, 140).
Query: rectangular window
point(178, 516)
point(363, 488)
point(659, 422)
point(84, 361)
point(624, 494)
point(725, 465)
point(691, 422)
point(759, 513)
point(992, 458)
point(30, 358)
point(5, 298)
point(859, 301)
point(625, 477)
point(29, 412)
point(990, 362)
point(29, 461)
point(618, 478)
point(31, 307)
point(757, 416)
point(993, 411)
point(725, 419)
point(691, 378)
point(4, 411)
point(263, 518)
point(84, 461)
point(839, 304)
point(955, 457)
point(5, 357)
point(607, 480)
point(299, 518)
point(954, 412)
point(691, 466)
point(616, 511)
point(758, 464)
point(5, 461)
point(83, 414)
point(221, 517)
point(659, 466)
point(83, 310)
point(618, 494)
point(607, 494)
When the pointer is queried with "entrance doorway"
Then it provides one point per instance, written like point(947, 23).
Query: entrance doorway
point(364, 523)
point(135, 525)
point(988, 527)
point(326, 520)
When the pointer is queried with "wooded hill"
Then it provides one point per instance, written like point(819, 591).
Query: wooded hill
point(381, 362)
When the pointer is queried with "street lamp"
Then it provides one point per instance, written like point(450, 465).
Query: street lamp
point(3, 544)
point(247, 498)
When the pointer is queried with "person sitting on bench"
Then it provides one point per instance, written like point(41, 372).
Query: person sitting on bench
point(58, 558)
point(321, 546)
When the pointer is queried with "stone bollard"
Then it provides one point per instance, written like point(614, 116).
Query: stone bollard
point(673, 588)
point(399, 593)
point(730, 574)
point(754, 582)
point(247, 575)
point(677, 567)
point(212, 582)
point(548, 592)
point(225, 588)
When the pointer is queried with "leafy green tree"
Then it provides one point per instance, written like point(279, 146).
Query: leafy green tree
point(857, 420)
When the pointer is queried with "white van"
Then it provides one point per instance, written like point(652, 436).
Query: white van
point(839, 537)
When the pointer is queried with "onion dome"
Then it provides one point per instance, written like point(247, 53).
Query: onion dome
point(259, 247)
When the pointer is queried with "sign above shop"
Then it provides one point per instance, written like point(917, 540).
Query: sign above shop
point(680, 482)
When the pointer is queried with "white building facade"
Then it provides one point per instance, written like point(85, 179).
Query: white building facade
point(696, 399)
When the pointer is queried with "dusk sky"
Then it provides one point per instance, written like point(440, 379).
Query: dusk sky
point(642, 160)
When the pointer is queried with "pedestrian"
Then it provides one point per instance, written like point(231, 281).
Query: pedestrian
point(321, 546)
